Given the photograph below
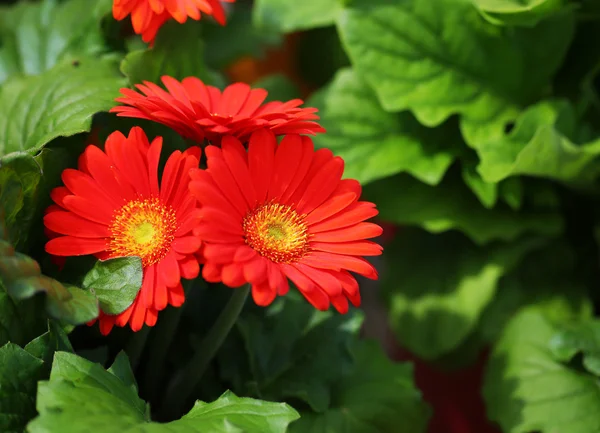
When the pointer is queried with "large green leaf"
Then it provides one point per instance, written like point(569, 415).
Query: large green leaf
point(294, 351)
point(379, 396)
point(289, 15)
point(19, 374)
point(439, 64)
point(518, 12)
point(115, 282)
point(559, 291)
point(432, 313)
point(527, 387)
point(37, 36)
point(376, 144)
point(82, 396)
point(60, 102)
point(538, 146)
point(20, 177)
point(449, 205)
point(178, 52)
point(237, 39)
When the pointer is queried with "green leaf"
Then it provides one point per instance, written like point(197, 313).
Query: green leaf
point(579, 338)
point(379, 396)
point(439, 64)
point(288, 16)
point(20, 177)
point(294, 351)
point(44, 346)
point(122, 369)
point(115, 282)
point(37, 36)
point(538, 146)
point(59, 102)
point(19, 374)
point(177, 52)
point(21, 321)
point(237, 39)
point(22, 278)
point(82, 396)
point(528, 389)
point(559, 291)
point(376, 144)
point(518, 12)
point(432, 313)
point(449, 205)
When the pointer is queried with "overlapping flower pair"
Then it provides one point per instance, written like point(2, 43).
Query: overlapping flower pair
point(261, 212)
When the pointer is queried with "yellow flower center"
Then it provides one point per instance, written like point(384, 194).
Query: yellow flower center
point(277, 232)
point(144, 228)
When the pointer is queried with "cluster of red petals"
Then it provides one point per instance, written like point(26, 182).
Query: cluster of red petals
point(147, 16)
point(198, 111)
point(251, 200)
point(105, 184)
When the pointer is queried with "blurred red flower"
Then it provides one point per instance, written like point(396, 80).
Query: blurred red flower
point(147, 16)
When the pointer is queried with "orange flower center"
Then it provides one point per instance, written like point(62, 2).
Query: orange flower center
point(277, 232)
point(144, 228)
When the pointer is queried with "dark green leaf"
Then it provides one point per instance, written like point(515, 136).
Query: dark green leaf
point(178, 52)
point(21, 277)
point(376, 144)
point(379, 396)
point(293, 351)
point(54, 340)
point(439, 64)
point(20, 177)
point(20, 321)
point(19, 374)
point(59, 102)
point(237, 39)
point(432, 313)
point(288, 15)
point(527, 389)
point(559, 291)
point(115, 282)
point(82, 396)
point(37, 36)
point(450, 205)
point(518, 12)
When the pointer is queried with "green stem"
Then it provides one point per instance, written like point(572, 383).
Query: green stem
point(161, 342)
point(188, 378)
point(135, 346)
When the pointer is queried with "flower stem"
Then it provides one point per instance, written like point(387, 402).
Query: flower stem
point(188, 378)
point(161, 342)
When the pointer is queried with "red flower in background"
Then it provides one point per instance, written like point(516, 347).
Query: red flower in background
point(198, 111)
point(282, 211)
point(113, 206)
point(147, 16)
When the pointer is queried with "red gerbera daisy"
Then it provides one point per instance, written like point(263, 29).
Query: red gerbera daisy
point(198, 111)
point(112, 206)
point(147, 16)
point(282, 211)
